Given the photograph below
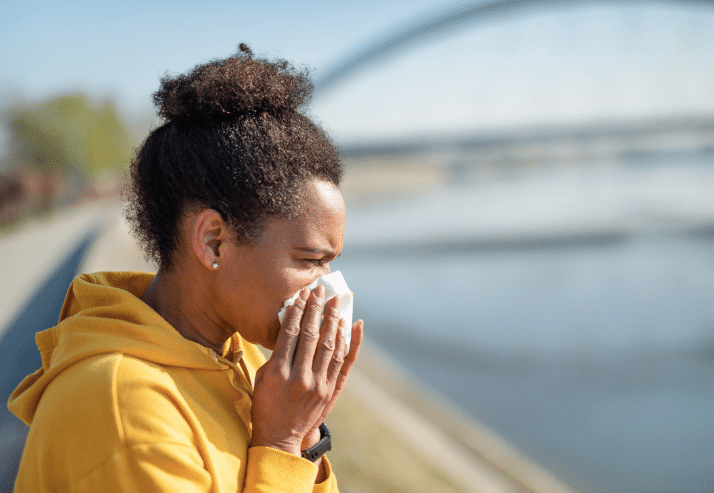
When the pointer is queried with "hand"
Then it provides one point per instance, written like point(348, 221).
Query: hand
point(297, 387)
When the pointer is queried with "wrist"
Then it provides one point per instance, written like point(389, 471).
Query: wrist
point(310, 439)
point(284, 445)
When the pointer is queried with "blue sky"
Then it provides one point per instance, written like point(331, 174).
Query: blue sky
point(592, 62)
point(121, 48)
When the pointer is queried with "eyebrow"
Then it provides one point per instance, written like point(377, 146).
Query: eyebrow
point(327, 253)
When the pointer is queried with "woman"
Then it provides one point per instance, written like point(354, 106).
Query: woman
point(154, 383)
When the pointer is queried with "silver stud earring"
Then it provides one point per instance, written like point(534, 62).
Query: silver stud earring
point(215, 265)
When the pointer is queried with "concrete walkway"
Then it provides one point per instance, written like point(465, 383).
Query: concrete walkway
point(38, 263)
point(36, 249)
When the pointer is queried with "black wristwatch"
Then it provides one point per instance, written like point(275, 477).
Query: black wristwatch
point(317, 450)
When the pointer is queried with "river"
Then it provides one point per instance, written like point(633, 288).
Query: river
point(595, 358)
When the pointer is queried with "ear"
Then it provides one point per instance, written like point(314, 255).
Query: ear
point(208, 232)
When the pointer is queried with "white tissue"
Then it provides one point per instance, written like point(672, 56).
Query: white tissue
point(335, 285)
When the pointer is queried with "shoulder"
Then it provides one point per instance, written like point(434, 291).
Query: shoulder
point(75, 427)
point(110, 401)
point(110, 423)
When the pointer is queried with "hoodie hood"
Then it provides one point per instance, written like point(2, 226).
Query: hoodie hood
point(103, 314)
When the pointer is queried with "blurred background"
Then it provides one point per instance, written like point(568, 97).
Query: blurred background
point(530, 232)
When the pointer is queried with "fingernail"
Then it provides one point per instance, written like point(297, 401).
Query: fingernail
point(304, 293)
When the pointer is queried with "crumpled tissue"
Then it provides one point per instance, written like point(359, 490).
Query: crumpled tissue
point(335, 285)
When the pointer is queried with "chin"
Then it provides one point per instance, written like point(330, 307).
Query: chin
point(265, 338)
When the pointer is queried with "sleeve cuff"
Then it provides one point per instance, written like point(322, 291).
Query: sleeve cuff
point(330, 484)
point(270, 470)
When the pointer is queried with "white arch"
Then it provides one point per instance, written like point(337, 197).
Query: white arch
point(424, 27)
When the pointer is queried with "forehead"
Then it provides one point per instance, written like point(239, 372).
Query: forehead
point(321, 198)
point(320, 222)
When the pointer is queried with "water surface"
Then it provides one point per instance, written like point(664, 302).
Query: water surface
point(595, 360)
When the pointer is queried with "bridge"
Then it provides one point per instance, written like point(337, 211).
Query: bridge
point(547, 147)
point(468, 13)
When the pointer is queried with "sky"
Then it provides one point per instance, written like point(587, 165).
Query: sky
point(597, 61)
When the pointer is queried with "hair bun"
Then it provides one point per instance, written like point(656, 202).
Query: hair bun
point(241, 84)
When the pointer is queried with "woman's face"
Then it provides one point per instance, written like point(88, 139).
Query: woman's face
point(254, 281)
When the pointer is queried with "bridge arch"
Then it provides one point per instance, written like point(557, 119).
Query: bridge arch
point(431, 24)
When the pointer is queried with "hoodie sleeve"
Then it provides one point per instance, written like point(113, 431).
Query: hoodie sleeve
point(169, 442)
point(166, 467)
point(271, 470)
point(154, 467)
point(171, 468)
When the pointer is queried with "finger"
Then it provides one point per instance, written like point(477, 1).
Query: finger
point(309, 330)
point(344, 369)
point(338, 356)
point(289, 332)
point(357, 332)
point(327, 344)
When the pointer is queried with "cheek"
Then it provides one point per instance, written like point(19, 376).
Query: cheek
point(305, 277)
point(298, 280)
point(288, 282)
point(292, 281)
point(285, 283)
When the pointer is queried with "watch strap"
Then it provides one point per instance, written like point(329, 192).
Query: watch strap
point(322, 446)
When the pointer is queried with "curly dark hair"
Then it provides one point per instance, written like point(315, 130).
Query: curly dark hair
point(233, 140)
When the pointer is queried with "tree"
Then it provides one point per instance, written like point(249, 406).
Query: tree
point(68, 133)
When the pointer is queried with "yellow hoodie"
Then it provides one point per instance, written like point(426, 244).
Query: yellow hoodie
point(124, 403)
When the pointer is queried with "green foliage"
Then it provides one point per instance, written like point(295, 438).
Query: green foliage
point(69, 132)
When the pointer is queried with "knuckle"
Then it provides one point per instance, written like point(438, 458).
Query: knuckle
point(323, 391)
point(275, 372)
point(299, 385)
point(291, 330)
point(332, 316)
point(328, 344)
point(310, 333)
point(283, 373)
point(338, 358)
